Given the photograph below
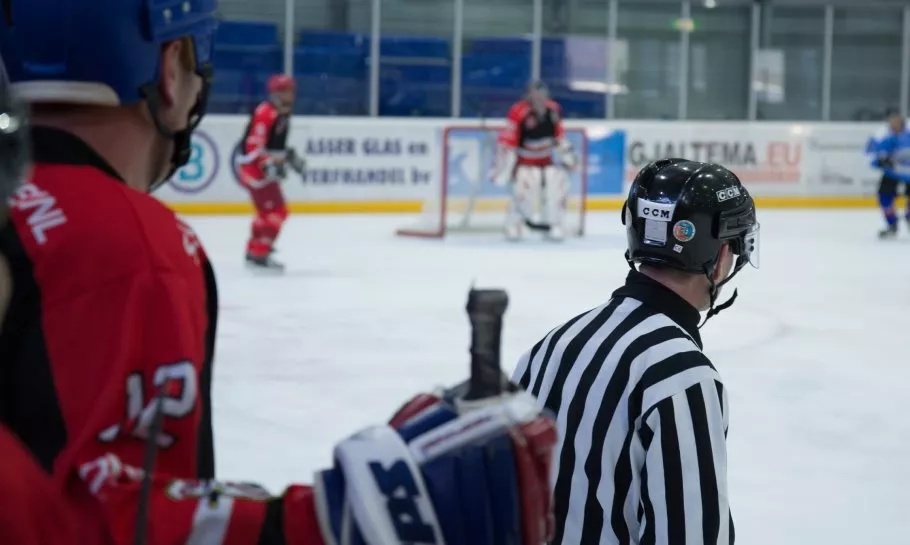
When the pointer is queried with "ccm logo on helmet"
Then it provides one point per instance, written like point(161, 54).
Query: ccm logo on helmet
point(655, 210)
point(727, 193)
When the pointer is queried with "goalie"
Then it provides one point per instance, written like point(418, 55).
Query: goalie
point(534, 158)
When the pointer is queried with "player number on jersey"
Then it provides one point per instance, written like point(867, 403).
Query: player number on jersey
point(175, 383)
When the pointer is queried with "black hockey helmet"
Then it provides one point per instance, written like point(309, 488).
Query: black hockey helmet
point(14, 144)
point(679, 213)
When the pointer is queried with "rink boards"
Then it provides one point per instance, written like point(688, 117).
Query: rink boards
point(394, 165)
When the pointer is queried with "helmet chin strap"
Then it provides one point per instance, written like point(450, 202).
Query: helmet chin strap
point(182, 138)
point(714, 289)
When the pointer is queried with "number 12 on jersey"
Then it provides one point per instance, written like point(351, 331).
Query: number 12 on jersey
point(177, 386)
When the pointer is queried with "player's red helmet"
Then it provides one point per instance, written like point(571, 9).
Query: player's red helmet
point(281, 82)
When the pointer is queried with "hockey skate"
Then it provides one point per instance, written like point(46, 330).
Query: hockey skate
point(513, 232)
point(264, 264)
point(888, 232)
point(556, 233)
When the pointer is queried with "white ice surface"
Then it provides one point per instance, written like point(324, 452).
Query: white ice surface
point(814, 353)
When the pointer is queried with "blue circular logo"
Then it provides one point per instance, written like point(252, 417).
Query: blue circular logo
point(202, 168)
point(684, 230)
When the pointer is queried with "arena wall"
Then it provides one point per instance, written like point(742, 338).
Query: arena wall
point(361, 165)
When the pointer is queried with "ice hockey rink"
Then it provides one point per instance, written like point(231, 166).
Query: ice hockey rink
point(814, 352)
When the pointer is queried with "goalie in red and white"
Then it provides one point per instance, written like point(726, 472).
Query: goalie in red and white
point(534, 158)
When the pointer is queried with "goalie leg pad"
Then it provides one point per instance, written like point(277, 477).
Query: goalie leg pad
point(504, 166)
point(556, 189)
point(526, 193)
point(525, 196)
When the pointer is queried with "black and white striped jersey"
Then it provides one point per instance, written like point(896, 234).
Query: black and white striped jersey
point(642, 416)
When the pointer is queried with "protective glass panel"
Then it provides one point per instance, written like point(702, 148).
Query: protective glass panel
point(719, 59)
point(574, 56)
point(865, 65)
point(415, 50)
point(331, 55)
point(496, 59)
point(648, 59)
point(794, 42)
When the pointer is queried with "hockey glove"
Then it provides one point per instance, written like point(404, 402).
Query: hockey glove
point(275, 171)
point(445, 472)
point(883, 163)
point(565, 155)
point(297, 162)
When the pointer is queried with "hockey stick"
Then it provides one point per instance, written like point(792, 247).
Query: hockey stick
point(485, 310)
point(536, 226)
point(148, 465)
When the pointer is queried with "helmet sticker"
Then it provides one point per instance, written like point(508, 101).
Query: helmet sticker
point(655, 232)
point(684, 230)
point(656, 211)
point(727, 193)
point(677, 248)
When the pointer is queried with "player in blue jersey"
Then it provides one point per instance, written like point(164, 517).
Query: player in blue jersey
point(891, 154)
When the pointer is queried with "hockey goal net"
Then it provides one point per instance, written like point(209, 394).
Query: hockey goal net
point(463, 199)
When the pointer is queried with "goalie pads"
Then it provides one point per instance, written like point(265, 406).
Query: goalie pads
point(526, 196)
point(539, 196)
point(556, 193)
point(504, 165)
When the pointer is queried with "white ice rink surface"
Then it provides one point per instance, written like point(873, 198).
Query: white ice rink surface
point(814, 353)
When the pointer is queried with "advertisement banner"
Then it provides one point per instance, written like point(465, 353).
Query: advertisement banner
point(362, 161)
point(606, 161)
point(837, 164)
point(396, 163)
point(769, 160)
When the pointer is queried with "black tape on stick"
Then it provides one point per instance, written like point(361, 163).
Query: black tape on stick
point(485, 310)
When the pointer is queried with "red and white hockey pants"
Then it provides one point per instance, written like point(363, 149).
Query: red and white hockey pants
point(271, 212)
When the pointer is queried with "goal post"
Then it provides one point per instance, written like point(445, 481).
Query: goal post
point(463, 199)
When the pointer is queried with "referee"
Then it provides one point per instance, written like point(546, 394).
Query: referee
point(641, 411)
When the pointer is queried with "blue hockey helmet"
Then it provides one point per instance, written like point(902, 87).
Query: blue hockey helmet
point(104, 52)
point(14, 144)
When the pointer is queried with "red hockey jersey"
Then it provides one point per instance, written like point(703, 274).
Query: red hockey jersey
point(114, 308)
point(533, 135)
point(33, 511)
point(265, 137)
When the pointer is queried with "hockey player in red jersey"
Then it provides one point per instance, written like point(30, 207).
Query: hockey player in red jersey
point(33, 510)
point(106, 348)
point(263, 166)
point(527, 146)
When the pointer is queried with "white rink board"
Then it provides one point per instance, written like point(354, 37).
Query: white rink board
point(395, 160)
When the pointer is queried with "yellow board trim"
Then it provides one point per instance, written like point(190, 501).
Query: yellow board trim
point(405, 207)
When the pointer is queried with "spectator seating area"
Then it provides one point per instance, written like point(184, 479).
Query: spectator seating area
point(332, 70)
